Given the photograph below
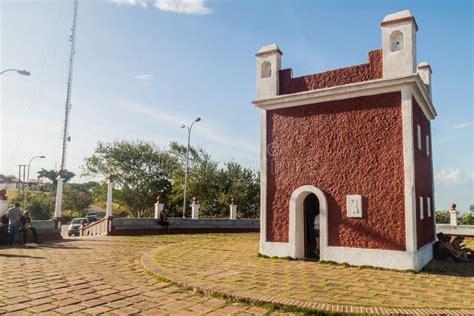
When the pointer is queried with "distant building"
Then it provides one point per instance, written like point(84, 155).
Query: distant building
point(354, 146)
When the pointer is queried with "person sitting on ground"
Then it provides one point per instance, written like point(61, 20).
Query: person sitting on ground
point(441, 253)
point(4, 230)
point(25, 221)
point(455, 255)
point(457, 244)
point(163, 220)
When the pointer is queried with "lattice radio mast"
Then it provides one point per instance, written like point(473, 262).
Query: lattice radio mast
point(72, 39)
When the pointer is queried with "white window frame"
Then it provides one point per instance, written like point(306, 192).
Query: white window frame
point(427, 145)
point(418, 134)
point(428, 205)
point(422, 216)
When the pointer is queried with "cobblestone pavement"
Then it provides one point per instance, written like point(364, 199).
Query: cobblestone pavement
point(94, 276)
point(229, 264)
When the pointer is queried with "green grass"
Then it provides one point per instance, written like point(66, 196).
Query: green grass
point(469, 243)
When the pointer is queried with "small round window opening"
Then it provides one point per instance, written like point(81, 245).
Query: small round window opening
point(266, 70)
point(397, 41)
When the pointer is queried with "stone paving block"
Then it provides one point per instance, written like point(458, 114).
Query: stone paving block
point(136, 298)
point(17, 300)
point(40, 301)
point(112, 297)
point(97, 310)
point(155, 312)
point(42, 308)
point(15, 307)
point(93, 303)
point(119, 304)
point(37, 290)
point(67, 301)
point(69, 309)
point(127, 311)
point(106, 292)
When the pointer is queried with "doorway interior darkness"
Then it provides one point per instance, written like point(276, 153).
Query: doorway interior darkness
point(311, 209)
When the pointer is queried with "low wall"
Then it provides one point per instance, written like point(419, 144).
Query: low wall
point(147, 226)
point(465, 230)
point(45, 230)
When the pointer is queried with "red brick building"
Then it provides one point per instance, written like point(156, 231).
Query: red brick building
point(354, 146)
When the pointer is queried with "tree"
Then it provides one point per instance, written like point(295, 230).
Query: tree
point(241, 184)
point(215, 187)
point(40, 204)
point(5, 178)
point(202, 180)
point(139, 169)
point(76, 198)
point(53, 174)
point(468, 218)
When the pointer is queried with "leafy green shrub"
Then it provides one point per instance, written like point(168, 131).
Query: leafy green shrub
point(442, 217)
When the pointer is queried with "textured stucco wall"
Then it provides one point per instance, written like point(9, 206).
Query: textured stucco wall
point(372, 70)
point(423, 178)
point(351, 146)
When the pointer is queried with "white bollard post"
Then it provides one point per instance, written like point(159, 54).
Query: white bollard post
point(233, 210)
point(110, 185)
point(59, 198)
point(59, 201)
point(453, 215)
point(158, 208)
point(195, 208)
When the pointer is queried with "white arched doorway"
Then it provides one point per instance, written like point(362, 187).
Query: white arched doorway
point(296, 233)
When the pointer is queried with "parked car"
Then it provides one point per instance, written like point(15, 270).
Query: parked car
point(75, 226)
point(92, 217)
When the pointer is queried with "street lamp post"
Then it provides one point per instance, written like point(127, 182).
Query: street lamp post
point(187, 162)
point(21, 72)
point(28, 178)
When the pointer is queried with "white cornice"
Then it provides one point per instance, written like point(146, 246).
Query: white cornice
point(354, 90)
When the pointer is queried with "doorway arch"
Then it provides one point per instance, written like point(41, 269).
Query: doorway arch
point(296, 234)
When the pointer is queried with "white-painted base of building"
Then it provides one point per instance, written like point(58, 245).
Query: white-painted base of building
point(389, 259)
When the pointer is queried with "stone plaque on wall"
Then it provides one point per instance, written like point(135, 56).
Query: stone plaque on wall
point(354, 205)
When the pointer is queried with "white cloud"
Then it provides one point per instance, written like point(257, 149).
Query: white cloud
point(464, 125)
point(183, 6)
point(143, 77)
point(453, 176)
point(176, 6)
point(142, 3)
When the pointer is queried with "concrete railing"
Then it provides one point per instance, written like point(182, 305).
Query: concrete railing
point(99, 228)
point(135, 226)
point(465, 230)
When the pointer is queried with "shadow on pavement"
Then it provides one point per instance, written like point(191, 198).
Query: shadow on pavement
point(462, 269)
point(7, 255)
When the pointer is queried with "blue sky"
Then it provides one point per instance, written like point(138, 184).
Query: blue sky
point(143, 67)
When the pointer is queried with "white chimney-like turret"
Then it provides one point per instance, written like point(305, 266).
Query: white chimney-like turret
point(399, 44)
point(424, 70)
point(268, 67)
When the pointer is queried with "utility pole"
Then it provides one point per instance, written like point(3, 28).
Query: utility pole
point(186, 170)
point(21, 183)
point(18, 180)
point(24, 178)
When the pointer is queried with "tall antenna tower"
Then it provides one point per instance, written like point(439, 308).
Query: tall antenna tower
point(66, 137)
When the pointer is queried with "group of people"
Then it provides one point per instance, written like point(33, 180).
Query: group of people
point(452, 249)
point(14, 222)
